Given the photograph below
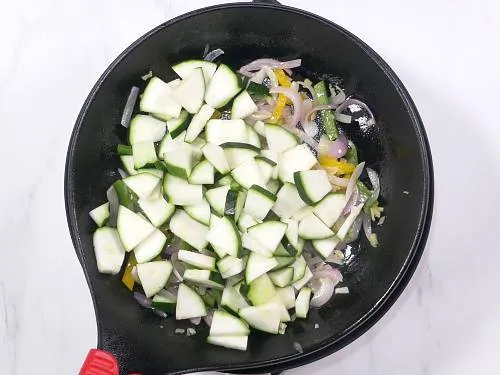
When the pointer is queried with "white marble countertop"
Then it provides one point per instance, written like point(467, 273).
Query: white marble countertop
point(447, 322)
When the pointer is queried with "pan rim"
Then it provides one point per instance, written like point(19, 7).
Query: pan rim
point(406, 271)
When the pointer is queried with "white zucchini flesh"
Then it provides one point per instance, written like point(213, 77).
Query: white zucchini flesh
point(150, 247)
point(282, 277)
point(230, 266)
point(189, 304)
point(237, 154)
point(251, 243)
point(219, 131)
point(183, 69)
point(243, 106)
point(226, 324)
point(202, 174)
point(128, 164)
point(329, 209)
point(260, 128)
point(232, 299)
point(295, 159)
point(180, 160)
point(100, 214)
point(269, 233)
point(287, 296)
point(302, 303)
point(224, 237)
point(292, 231)
point(264, 317)
point(288, 201)
point(223, 86)
point(206, 278)
point(109, 250)
point(200, 212)
point(299, 268)
point(132, 228)
point(198, 122)
point(279, 139)
point(144, 153)
point(142, 184)
point(229, 342)
point(266, 167)
point(158, 210)
point(312, 228)
point(246, 221)
point(355, 211)
point(154, 276)
point(215, 155)
point(191, 91)
point(259, 202)
point(189, 230)
point(302, 213)
point(196, 259)
point(261, 290)
point(179, 192)
point(146, 129)
point(248, 174)
point(157, 99)
point(155, 172)
point(216, 197)
point(325, 247)
point(312, 185)
point(177, 126)
point(253, 137)
point(308, 275)
point(257, 265)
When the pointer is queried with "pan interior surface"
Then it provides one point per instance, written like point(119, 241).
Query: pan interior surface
point(395, 147)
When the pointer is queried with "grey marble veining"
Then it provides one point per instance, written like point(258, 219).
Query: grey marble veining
point(447, 322)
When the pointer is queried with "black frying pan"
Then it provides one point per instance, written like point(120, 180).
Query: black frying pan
point(397, 147)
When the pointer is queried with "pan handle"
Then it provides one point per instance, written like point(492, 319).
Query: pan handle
point(272, 2)
point(101, 362)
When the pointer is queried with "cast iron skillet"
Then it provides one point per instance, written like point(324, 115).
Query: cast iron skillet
point(397, 147)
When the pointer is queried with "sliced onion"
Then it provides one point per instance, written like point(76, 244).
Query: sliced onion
point(178, 267)
point(261, 114)
point(142, 300)
point(129, 106)
point(160, 313)
point(342, 290)
point(339, 98)
point(340, 117)
point(122, 173)
point(296, 99)
point(353, 201)
point(323, 289)
point(316, 109)
point(272, 63)
point(354, 230)
point(336, 257)
point(327, 271)
point(257, 77)
point(272, 77)
point(208, 318)
point(352, 181)
point(338, 148)
point(147, 76)
point(338, 181)
point(303, 137)
point(375, 181)
point(135, 275)
point(195, 321)
point(309, 88)
point(367, 228)
point(114, 204)
point(349, 102)
point(212, 55)
point(314, 261)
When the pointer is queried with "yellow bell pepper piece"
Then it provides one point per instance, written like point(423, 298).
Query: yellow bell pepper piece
point(342, 167)
point(127, 277)
point(282, 100)
point(283, 79)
